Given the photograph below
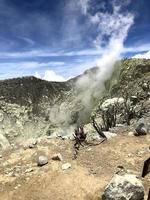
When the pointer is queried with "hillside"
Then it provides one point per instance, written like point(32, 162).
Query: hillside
point(31, 107)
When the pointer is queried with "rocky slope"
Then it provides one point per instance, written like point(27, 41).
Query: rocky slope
point(31, 107)
point(25, 106)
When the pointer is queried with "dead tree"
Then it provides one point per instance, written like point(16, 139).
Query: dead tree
point(109, 117)
point(80, 137)
point(98, 128)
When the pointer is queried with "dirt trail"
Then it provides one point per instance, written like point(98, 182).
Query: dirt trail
point(21, 179)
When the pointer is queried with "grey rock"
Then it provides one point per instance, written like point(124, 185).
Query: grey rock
point(141, 127)
point(124, 187)
point(57, 156)
point(42, 160)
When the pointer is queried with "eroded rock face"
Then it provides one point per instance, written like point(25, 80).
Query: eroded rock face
point(124, 187)
point(27, 107)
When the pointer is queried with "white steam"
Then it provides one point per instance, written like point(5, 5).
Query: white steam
point(112, 31)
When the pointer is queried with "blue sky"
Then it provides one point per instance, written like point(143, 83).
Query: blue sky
point(58, 39)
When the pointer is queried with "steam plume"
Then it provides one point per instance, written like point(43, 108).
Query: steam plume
point(112, 28)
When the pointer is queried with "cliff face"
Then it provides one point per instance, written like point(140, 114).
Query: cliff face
point(27, 106)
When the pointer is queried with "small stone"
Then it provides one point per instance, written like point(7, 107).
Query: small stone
point(131, 134)
point(57, 156)
point(29, 170)
point(120, 170)
point(33, 144)
point(66, 166)
point(42, 160)
point(89, 149)
point(1, 156)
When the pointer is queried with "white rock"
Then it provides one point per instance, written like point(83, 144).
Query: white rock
point(109, 135)
point(109, 102)
point(131, 134)
point(42, 160)
point(29, 170)
point(66, 166)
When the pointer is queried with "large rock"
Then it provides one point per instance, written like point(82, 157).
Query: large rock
point(124, 187)
point(141, 127)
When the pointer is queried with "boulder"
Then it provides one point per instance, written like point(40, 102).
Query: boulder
point(141, 127)
point(124, 187)
point(42, 160)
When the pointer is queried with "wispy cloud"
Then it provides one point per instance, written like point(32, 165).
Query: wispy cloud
point(84, 5)
point(29, 65)
point(137, 48)
point(85, 52)
point(46, 53)
point(142, 55)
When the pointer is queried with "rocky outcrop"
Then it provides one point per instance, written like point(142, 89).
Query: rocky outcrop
point(124, 187)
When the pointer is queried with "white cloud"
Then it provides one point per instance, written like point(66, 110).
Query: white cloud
point(142, 55)
point(30, 65)
point(50, 75)
point(84, 5)
point(85, 52)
